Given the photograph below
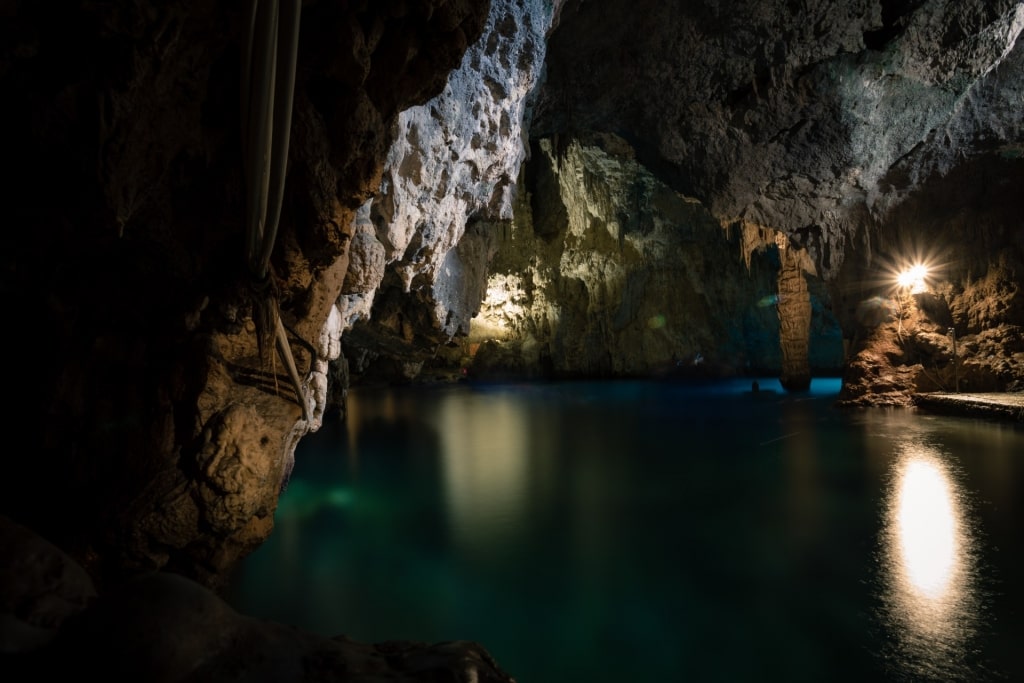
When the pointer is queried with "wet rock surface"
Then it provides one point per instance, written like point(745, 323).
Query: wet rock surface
point(159, 626)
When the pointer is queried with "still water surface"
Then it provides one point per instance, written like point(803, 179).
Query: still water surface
point(647, 531)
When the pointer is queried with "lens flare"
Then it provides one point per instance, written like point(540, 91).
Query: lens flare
point(656, 322)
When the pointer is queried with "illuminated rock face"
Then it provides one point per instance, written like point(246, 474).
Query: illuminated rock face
point(453, 166)
point(812, 118)
point(904, 342)
point(608, 272)
point(817, 121)
point(794, 321)
point(827, 121)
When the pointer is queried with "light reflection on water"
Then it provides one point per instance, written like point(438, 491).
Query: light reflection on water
point(485, 473)
point(929, 569)
point(643, 531)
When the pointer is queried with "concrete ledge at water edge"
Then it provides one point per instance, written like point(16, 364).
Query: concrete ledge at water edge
point(991, 406)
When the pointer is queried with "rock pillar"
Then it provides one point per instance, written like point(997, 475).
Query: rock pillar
point(794, 318)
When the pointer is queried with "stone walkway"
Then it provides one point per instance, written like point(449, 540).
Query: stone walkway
point(1004, 406)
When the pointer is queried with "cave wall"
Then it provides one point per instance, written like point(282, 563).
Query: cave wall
point(607, 272)
point(415, 281)
point(813, 120)
point(965, 331)
point(811, 117)
point(156, 431)
point(866, 132)
point(869, 134)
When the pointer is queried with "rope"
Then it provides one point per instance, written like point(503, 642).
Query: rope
point(269, 60)
point(309, 347)
point(287, 58)
point(258, 121)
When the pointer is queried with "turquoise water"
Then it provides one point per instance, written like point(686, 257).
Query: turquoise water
point(650, 531)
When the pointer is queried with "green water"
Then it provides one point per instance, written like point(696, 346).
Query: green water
point(647, 531)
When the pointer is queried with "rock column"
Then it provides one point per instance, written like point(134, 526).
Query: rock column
point(794, 318)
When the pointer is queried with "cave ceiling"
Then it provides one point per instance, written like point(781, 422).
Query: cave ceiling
point(814, 117)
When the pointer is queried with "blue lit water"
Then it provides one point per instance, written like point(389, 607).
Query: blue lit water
point(651, 531)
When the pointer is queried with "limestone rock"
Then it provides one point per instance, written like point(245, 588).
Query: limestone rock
point(41, 587)
point(159, 410)
point(454, 163)
point(836, 125)
point(806, 117)
point(165, 628)
point(973, 287)
point(794, 319)
point(909, 352)
point(634, 280)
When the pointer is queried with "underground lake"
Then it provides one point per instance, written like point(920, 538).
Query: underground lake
point(654, 530)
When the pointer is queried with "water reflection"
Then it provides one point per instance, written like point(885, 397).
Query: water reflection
point(929, 537)
point(485, 468)
point(652, 531)
point(930, 599)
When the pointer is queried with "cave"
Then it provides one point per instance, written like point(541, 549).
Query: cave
point(228, 218)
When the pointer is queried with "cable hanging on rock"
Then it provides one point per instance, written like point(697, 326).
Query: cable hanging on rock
point(269, 60)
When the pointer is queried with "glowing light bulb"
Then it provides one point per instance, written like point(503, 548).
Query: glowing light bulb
point(913, 278)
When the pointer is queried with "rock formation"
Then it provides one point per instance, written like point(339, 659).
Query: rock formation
point(608, 272)
point(454, 164)
point(158, 412)
point(815, 122)
point(129, 263)
point(866, 134)
point(163, 627)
